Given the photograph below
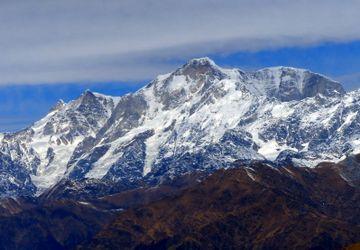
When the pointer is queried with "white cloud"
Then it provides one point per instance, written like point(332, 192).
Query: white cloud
point(84, 40)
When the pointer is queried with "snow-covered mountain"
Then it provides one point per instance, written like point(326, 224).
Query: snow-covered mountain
point(35, 158)
point(199, 117)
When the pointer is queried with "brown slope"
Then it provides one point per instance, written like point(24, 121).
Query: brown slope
point(11, 206)
point(55, 225)
point(261, 208)
point(49, 223)
point(355, 246)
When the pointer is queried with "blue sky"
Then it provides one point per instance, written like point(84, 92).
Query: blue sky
point(58, 49)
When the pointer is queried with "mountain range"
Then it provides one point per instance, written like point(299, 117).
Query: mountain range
point(201, 117)
point(201, 158)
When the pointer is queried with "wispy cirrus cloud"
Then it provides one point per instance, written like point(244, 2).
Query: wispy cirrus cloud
point(72, 41)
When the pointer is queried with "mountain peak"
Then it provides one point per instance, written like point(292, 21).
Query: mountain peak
point(201, 61)
point(87, 96)
point(200, 66)
point(87, 93)
point(288, 83)
point(58, 105)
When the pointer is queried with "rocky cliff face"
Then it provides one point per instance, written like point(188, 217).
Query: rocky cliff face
point(199, 117)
